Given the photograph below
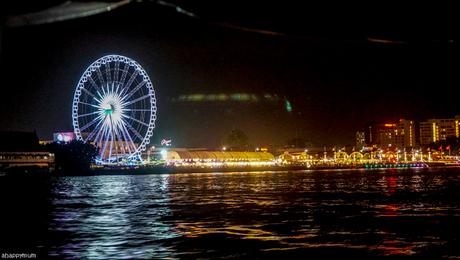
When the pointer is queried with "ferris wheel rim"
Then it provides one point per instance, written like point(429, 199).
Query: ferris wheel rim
point(150, 123)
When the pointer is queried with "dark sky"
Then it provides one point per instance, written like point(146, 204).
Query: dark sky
point(334, 69)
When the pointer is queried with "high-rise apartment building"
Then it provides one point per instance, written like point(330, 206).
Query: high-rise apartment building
point(435, 130)
point(400, 134)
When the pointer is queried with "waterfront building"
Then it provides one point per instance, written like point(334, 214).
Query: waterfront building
point(405, 134)
point(379, 134)
point(21, 152)
point(387, 135)
point(360, 140)
point(435, 130)
point(24, 161)
point(216, 158)
point(400, 134)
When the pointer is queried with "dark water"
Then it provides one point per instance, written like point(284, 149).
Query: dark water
point(236, 215)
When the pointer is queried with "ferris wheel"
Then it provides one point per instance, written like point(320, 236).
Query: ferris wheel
point(114, 108)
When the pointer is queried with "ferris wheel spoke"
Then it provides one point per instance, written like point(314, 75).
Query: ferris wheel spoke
point(131, 79)
point(110, 146)
point(124, 73)
point(139, 86)
point(97, 139)
point(123, 91)
point(116, 89)
point(88, 114)
point(136, 110)
point(118, 141)
point(100, 135)
point(99, 76)
point(91, 80)
point(101, 96)
point(127, 140)
point(121, 141)
point(88, 104)
point(115, 137)
point(95, 130)
point(88, 92)
point(126, 133)
point(115, 71)
point(135, 132)
point(92, 122)
point(136, 100)
point(136, 120)
point(105, 140)
point(107, 73)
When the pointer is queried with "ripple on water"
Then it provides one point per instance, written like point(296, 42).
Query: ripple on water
point(264, 214)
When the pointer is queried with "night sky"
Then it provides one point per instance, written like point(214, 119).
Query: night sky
point(338, 72)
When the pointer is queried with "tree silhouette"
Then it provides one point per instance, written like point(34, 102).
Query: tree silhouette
point(74, 157)
point(236, 140)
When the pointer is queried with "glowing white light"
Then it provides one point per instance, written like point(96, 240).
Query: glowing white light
point(164, 154)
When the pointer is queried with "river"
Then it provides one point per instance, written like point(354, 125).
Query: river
point(328, 213)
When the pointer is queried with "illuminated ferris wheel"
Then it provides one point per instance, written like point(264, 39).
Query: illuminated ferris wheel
point(114, 108)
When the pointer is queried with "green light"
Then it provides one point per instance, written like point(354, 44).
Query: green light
point(108, 111)
point(288, 106)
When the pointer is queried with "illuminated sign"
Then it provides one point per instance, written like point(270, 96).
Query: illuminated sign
point(63, 137)
point(390, 125)
point(166, 142)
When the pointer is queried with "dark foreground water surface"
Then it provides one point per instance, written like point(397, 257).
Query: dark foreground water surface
point(342, 214)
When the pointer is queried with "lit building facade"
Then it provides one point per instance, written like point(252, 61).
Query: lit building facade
point(27, 160)
point(216, 158)
point(387, 135)
point(400, 134)
point(20, 152)
point(435, 130)
point(360, 139)
point(405, 134)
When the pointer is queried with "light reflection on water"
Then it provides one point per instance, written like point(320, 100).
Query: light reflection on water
point(111, 216)
point(303, 213)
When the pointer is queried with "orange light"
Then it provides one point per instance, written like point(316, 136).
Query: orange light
point(390, 125)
